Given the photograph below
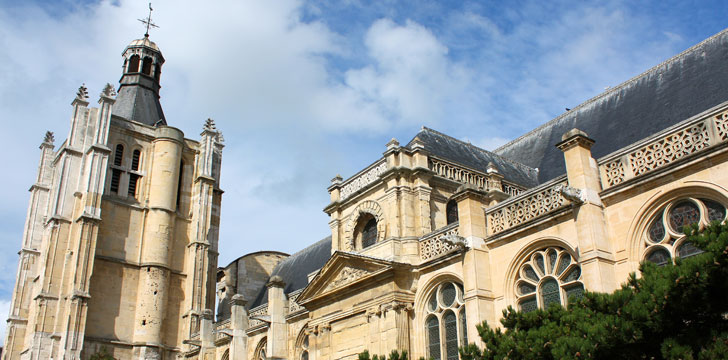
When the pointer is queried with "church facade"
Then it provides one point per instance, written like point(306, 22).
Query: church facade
point(119, 253)
point(438, 235)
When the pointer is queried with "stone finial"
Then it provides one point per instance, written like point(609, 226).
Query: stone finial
point(573, 132)
point(209, 125)
point(491, 169)
point(82, 93)
point(337, 179)
point(276, 281)
point(108, 91)
point(49, 138)
point(392, 144)
point(575, 137)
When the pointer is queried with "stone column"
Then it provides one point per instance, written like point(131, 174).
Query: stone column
point(238, 325)
point(158, 241)
point(277, 332)
point(595, 252)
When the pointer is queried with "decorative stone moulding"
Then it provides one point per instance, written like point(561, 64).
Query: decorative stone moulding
point(466, 176)
point(433, 244)
point(366, 207)
point(367, 177)
point(662, 151)
point(534, 204)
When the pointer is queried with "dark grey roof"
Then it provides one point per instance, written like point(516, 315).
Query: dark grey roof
point(295, 269)
point(449, 148)
point(683, 86)
point(138, 103)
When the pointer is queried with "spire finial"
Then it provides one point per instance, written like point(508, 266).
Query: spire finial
point(49, 138)
point(148, 21)
point(82, 93)
point(108, 91)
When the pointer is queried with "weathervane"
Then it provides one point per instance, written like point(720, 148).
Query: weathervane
point(148, 21)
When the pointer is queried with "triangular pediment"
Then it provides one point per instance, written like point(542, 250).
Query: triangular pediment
point(343, 270)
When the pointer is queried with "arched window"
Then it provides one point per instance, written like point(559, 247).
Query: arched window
point(445, 322)
point(116, 173)
point(369, 233)
point(147, 66)
point(451, 210)
point(259, 353)
point(302, 345)
point(118, 154)
point(549, 276)
point(133, 64)
point(664, 239)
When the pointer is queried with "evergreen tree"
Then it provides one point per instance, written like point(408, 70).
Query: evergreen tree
point(672, 312)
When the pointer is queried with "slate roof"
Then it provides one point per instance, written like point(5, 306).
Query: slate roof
point(140, 104)
point(295, 269)
point(685, 85)
point(460, 152)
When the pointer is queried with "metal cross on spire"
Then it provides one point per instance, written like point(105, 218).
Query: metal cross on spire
point(148, 21)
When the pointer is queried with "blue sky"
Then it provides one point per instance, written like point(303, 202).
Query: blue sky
point(303, 90)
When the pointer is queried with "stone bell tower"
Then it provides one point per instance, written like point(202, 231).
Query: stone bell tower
point(120, 245)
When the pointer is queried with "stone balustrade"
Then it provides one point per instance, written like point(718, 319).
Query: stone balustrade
point(527, 206)
point(478, 179)
point(432, 244)
point(363, 179)
point(664, 149)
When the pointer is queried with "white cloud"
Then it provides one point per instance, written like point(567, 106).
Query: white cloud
point(411, 80)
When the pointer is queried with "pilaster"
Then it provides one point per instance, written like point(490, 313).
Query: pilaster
point(239, 323)
point(277, 331)
point(596, 257)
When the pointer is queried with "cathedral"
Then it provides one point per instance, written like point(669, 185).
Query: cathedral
point(119, 252)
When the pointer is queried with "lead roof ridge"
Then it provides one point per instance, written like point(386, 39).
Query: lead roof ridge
point(621, 86)
point(500, 157)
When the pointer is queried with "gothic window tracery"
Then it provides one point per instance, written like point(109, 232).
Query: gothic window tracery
point(548, 276)
point(303, 345)
point(664, 239)
point(445, 322)
point(259, 353)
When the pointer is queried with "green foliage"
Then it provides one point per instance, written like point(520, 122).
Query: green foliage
point(102, 355)
point(394, 355)
point(671, 312)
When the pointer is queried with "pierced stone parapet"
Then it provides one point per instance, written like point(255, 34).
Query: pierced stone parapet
point(293, 306)
point(433, 245)
point(258, 311)
point(363, 179)
point(528, 206)
point(666, 149)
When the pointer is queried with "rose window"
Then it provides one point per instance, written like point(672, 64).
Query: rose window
point(445, 322)
point(548, 276)
point(664, 237)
